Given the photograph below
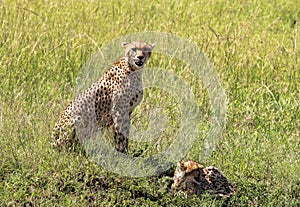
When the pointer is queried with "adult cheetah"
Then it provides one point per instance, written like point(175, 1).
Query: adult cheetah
point(108, 102)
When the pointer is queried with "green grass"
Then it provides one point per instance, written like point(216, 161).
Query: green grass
point(253, 45)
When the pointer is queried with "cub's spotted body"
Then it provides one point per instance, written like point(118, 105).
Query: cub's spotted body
point(109, 102)
point(196, 179)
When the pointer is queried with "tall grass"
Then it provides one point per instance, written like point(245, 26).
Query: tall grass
point(254, 45)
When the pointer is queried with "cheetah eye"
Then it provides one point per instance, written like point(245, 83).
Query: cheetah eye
point(146, 50)
point(133, 49)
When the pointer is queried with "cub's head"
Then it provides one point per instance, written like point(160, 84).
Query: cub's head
point(137, 52)
point(183, 171)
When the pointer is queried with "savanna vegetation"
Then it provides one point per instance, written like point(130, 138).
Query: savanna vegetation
point(253, 45)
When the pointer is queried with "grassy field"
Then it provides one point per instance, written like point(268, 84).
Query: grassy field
point(254, 46)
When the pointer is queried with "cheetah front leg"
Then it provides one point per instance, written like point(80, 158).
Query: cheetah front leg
point(121, 130)
point(121, 142)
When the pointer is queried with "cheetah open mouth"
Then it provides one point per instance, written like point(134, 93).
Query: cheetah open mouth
point(139, 63)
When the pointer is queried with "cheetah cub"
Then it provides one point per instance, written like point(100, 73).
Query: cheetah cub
point(197, 179)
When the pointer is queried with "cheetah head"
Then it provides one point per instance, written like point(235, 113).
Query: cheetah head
point(137, 52)
point(182, 170)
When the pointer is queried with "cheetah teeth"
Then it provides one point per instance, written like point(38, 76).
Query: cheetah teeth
point(140, 63)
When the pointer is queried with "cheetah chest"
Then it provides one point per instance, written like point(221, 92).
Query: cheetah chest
point(136, 100)
point(136, 93)
point(130, 92)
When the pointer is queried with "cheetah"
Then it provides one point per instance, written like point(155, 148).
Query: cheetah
point(197, 179)
point(108, 102)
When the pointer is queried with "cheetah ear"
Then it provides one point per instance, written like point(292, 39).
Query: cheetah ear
point(152, 46)
point(124, 44)
point(182, 167)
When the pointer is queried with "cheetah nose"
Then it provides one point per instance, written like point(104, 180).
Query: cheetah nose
point(140, 57)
